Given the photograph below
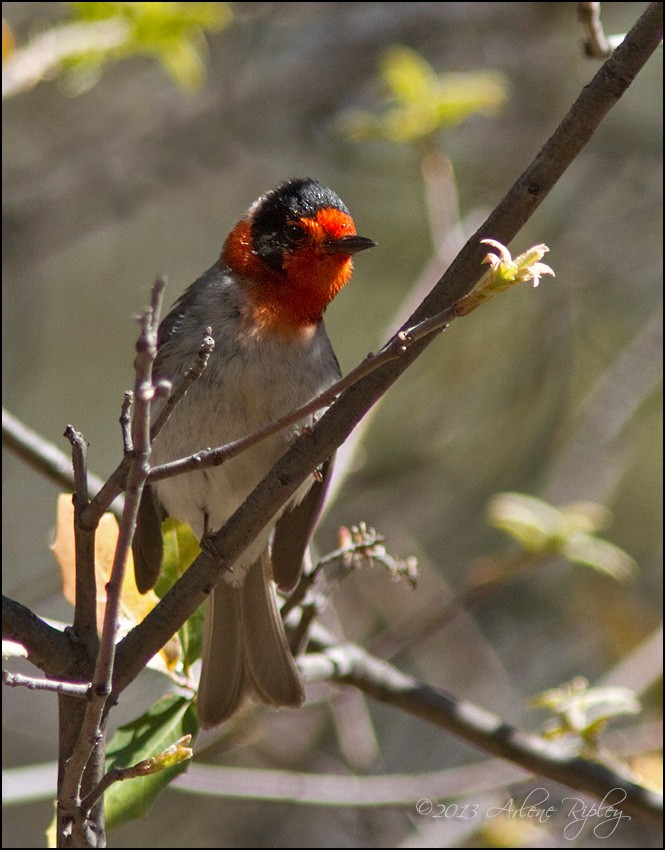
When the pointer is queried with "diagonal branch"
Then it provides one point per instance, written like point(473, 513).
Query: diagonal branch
point(392, 350)
point(522, 200)
point(350, 664)
point(42, 455)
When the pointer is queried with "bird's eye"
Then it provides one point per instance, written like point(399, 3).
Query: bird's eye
point(295, 234)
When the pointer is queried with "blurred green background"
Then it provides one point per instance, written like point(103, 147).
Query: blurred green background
point(556, 391)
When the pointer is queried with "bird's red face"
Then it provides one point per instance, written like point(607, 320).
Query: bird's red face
point(293, 252)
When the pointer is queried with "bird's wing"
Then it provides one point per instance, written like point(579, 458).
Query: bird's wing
point(293, 531)
point(147, 545)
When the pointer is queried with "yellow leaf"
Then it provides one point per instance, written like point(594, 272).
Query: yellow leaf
point(8, 43)
point(649, 767)
point(134, 606)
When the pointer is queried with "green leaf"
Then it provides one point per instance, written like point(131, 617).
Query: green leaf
point(464, 95)
point(600, 555)
point(586, 516)
point(532, 522)
point(183, 60)
point(543, 529)
point(583, 711)
point(180, 549)
point(421, 102)
point(410, 78)
point(148, 736)
point(171, 32)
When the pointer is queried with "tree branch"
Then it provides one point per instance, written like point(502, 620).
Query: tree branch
point(336, 424)
point(351, 665)
point(392, 350)
point(85, 609)
point(180, 390)
point(49, 649)
point(117, 482)
point(70, 689)
point(42, 455)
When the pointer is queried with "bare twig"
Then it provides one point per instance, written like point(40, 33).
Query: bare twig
point(117, 482)
point(79, 465)
point(103, 500)
point(126, 423)
point(70, 689)
point(176, 753)
point(46, 52)
point(192, 374)
point(85, 610)
point(309, 579)
point(115, 774)
point(393, 789)
point(387, 789)
point(392, 350)
point(372, 676)
point(42, 455)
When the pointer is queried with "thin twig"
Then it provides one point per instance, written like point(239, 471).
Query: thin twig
point(85, 609)
point(117, 482)
point(520, 203)
point(47, 648)
point(42, 455)
point(178, 752)
point(113, 775)
point(79, 465)
point(126, 423)
point(191, 375)
point(69, 689)
point(309, 579)
point(45, 52)
point(392, 350)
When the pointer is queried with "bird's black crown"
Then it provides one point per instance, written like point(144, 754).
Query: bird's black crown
point(293, 200)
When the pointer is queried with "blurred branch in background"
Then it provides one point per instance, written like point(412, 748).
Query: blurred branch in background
point(596, 44)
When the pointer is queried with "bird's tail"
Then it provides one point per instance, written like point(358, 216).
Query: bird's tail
point(245, 650)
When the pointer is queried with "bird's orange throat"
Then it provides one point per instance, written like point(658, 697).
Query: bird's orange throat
point(291, 301)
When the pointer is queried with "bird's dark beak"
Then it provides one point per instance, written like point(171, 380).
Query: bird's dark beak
point(348, 245)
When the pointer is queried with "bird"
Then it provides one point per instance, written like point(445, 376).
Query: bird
point(264, 300)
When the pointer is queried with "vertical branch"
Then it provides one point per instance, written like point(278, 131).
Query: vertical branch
point(442, 206)
point(126, 423)
point(71, 711)
point(85, 611)
point(138, 472)
point(75, 826)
